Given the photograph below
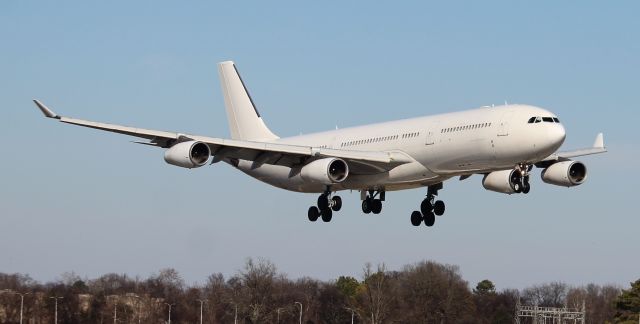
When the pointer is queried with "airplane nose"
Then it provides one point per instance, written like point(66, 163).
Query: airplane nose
point(557, 135)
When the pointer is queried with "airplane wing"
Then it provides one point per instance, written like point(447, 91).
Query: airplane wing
point(362, 162)
point(597, 148)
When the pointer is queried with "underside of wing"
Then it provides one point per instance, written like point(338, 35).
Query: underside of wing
point(360, 162)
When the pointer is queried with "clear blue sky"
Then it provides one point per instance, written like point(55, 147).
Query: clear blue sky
point(74, 199)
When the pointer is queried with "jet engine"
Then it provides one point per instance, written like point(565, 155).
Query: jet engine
point(191, 154)
point(505, 181)
point(326, 171)
point(566, 173)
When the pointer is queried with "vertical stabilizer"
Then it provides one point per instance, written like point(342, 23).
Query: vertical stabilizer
point(245, 122)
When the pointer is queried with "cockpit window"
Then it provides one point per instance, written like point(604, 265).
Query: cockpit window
point(539, 119)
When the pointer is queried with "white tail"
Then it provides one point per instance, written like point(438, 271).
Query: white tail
point(245, 122)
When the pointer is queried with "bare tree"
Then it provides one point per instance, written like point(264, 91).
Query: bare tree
point(549, 295)
point(377, 292)
point(257, 280)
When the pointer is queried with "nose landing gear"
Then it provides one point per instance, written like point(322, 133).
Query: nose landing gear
point(520, 178)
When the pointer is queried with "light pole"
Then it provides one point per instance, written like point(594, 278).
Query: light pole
point(139, 308)
point(299, 303)
point(21, 303)
point(278, 311)
point(115, 312)
point(352, 313)
point(169, 311)
point(21, 300)
point(202, 301)
point(235, 319)
point(56, 312)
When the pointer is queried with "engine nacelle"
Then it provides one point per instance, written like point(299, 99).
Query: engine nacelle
point(326, 171)
point(566, 173)
point(191, 154)
point(502, 181)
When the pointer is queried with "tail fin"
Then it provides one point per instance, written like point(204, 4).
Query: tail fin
point(245, 122)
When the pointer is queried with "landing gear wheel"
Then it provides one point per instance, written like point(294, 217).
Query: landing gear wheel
point(366, 206)
point(429, 219)
point(323, 202)
point(438, 208)
point(313, 213)
point(327, 214)
point(426, 207)
point(517, 187)
point(337, 203)
point(429, 207)
point(416, 218)
point(376, 206)
point(526, 188)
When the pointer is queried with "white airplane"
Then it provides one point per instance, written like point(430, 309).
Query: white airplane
point(501, 143)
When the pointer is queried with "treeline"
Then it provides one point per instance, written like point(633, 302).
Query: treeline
point(425, 292)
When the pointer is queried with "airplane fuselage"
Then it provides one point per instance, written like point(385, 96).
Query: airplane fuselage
point(440, 147)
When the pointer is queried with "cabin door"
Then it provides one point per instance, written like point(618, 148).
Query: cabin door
point(432, 130)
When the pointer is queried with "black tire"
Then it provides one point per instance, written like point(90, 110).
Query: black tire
point(337, 203)
point(366, 206)
point(438, 208)
point(526, 188)
point(376, 206)
point(313, 213)
point(429, 219)
point(323, 202)
point(426, 207)
point(327, 214)
point(416, 218)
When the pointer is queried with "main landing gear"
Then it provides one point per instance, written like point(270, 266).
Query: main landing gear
point(371, 204)
point(326, 206)
point(429, 208)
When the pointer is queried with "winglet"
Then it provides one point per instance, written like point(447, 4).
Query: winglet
point(599, 142)
point(45, 110)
